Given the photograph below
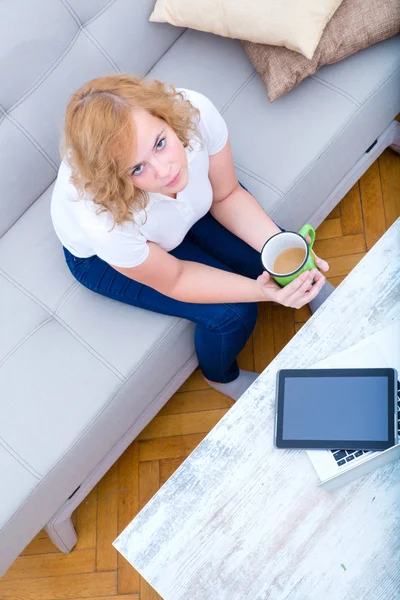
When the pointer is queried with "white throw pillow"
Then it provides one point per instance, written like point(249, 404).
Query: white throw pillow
point(295, 24)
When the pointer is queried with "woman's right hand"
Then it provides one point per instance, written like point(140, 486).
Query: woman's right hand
point(297, 293)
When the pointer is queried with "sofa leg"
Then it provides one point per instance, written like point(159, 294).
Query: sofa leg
point(62, 534)
point(395, 145)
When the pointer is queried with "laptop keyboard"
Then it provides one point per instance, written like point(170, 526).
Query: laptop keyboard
point(343, 457)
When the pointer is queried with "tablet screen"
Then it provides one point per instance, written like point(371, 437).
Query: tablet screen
point(323, 408)
point(335, 408)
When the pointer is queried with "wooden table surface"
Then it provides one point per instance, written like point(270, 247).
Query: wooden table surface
point(240, 520)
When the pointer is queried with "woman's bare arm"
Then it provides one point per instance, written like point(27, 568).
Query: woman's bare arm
point(194, 282)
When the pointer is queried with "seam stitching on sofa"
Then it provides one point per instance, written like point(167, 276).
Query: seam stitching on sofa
point(19, 459)
point(22, 502)
point(88, 347)
point(71, 11)
point(50, 69)
point(92, 18)
point(90, 36)
point(22, 341)
point(68, 292)
point(154, 348)
point(258, 178)
point(26, 292)
point(99, 12)
point(69, 47)
point(238, 91)
point(75, 285)
point(336, 89)
point(382, 84)
point(164, 53)
point(34, 143)
point(28, 207)
point(336, 137)
point(46, 74)
point(101, 49)
point(97, 43)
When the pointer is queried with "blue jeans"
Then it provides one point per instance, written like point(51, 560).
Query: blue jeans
point(222, 330)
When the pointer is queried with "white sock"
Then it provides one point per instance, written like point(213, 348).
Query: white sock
point(234, 389)
point(322, 295)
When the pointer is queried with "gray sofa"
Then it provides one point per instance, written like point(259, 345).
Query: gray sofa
point(81, 375)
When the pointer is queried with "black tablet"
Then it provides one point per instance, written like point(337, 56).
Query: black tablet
point(336, 408)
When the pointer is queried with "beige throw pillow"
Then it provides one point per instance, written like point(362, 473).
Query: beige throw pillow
point(296, 24)
point(357, 24)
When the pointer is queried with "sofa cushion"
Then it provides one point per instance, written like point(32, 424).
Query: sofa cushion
point(291, 154)
point(356, 25)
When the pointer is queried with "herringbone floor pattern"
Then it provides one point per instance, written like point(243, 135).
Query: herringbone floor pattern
point(94, 569)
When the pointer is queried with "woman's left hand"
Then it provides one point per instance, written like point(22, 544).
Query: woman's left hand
point(320, 263)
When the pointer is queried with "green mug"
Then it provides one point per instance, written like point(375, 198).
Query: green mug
point(286, 240)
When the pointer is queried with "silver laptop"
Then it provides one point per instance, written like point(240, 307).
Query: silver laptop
point(337, 467)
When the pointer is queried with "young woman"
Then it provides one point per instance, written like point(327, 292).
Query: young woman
point(150, 212)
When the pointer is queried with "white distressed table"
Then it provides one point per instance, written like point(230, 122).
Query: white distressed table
point(240, 520)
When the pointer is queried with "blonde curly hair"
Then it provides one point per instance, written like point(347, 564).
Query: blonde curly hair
point(99, 134)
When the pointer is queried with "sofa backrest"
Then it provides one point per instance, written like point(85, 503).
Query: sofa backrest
point(48, 49)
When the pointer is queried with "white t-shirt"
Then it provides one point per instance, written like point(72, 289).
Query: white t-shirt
point(85, 233)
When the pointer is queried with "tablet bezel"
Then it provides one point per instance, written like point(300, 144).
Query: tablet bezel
point(342, 444)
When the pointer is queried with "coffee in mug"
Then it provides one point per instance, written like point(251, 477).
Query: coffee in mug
point(289, 260)
point(286, 255)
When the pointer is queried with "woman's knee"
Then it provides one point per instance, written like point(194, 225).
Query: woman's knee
point(232, 318)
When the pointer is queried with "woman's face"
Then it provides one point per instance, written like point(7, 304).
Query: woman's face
point(158, 161)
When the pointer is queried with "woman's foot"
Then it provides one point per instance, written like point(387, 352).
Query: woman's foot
point(234, 389)
point(323, 294)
